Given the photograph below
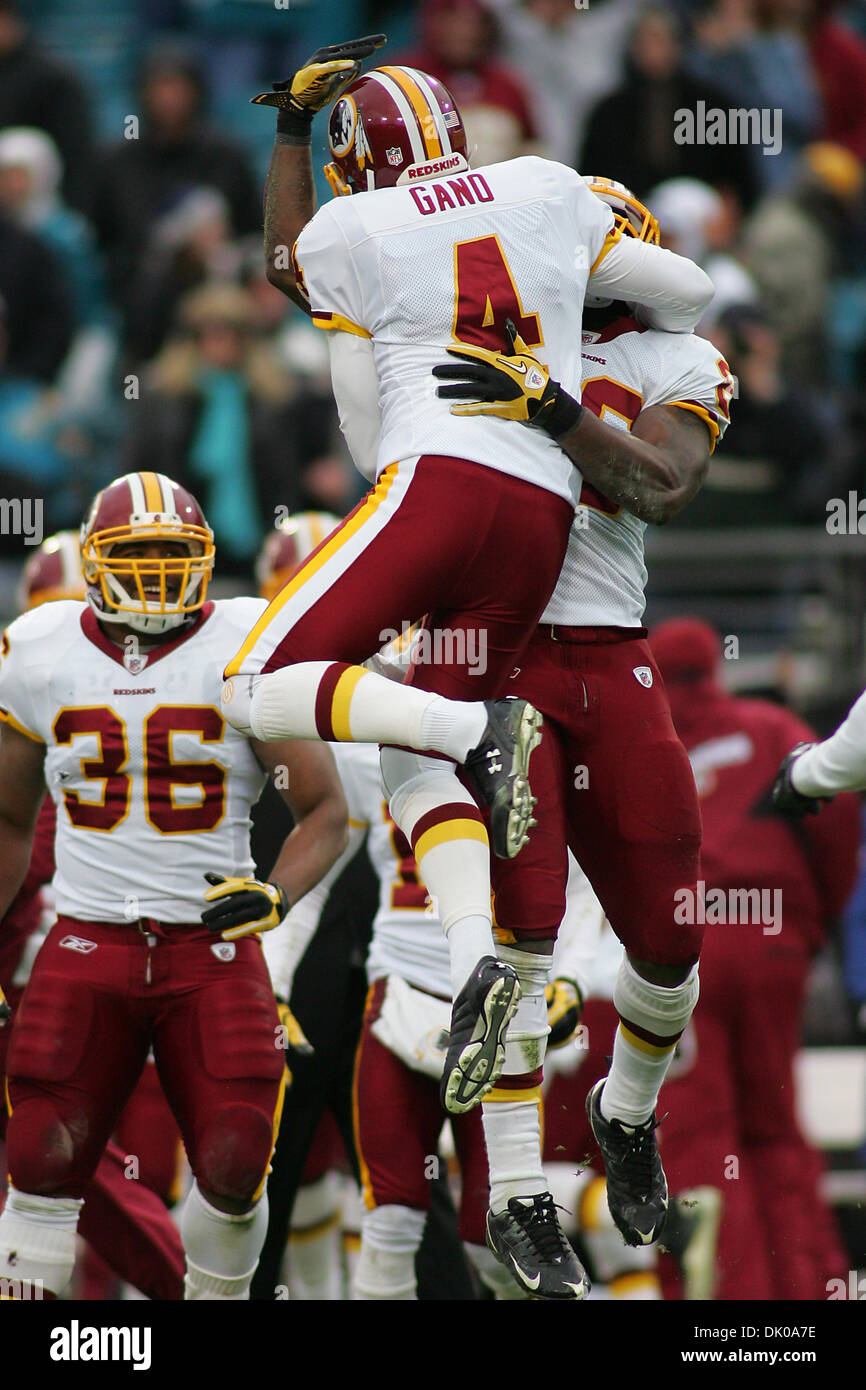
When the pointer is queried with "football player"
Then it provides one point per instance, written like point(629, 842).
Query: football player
point(113, 704)
point(613, 779)
point(126, 1222)
point(467, 522)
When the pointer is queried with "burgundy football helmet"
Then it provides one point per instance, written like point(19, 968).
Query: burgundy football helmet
point(54, 572)
point(394, 125)
point(154, 593)
point(288, 546)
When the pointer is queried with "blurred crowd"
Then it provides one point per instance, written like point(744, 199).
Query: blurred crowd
point(135, 319)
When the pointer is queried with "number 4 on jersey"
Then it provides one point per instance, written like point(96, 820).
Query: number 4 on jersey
point(485, 295)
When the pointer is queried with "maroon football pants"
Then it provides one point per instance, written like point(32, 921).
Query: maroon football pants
point(613, 783)
point(98, 998)
point(398, 1120)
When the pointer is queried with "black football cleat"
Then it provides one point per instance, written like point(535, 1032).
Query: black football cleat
point(498, 770)
point(528, 1240)
point(476, 1047)
point(637, 1190)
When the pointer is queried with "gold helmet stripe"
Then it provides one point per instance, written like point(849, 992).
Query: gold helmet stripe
point(152, 492)
point(421, 106)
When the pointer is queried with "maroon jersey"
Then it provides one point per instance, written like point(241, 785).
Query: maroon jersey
point(735, 747)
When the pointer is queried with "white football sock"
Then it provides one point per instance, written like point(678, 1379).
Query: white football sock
point(639, 1066)
point(37, 1241)
point(390, 1240)
point(222, 1250)
point(361, 707)
point(451, 849)
point(313, 1267)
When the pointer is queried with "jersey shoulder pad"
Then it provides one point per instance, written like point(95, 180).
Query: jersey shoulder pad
point(45, 623)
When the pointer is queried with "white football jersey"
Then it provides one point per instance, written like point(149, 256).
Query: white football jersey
point(408, 939)
point(423, 268)
point(153, 787)
point(626, 369)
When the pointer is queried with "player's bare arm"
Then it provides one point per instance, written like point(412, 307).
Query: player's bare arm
point(306, 777)
point(290, 199)
point(652, 471)
point(22, 789)
point(667, 455)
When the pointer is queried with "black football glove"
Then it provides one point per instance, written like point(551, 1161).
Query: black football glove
point(564, 1006)
point(786, 798)
point(317, 83)
point(243, 906)
point(512, 385)
point(5, 1011)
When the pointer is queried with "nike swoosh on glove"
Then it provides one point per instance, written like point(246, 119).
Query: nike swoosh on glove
point(513, 385)
point(243, 906)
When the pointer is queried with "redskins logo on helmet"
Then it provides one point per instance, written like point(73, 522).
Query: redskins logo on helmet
point(147, 553)
point(54, 572)
point(288, 546)
point(629, 213)
point(394, 125)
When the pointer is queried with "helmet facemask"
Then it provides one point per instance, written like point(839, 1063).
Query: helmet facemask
point(151, 594)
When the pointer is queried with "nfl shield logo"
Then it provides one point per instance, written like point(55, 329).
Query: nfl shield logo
point(134, 662)
point(644, 675)
point(394, 156)
point(224, 950)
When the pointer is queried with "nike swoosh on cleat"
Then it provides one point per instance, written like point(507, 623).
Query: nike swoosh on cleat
point(524, 1278)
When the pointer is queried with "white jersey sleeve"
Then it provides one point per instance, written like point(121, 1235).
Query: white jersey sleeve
point(327, 273)
point(356, 391)
point(28, 649)
point(839, 763)
point(692, 374)
point(674, 292)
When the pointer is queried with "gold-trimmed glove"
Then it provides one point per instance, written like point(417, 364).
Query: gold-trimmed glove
point(512, 385)
point(5, 1011)
point(243, 906)
point(317, 83)
point(294, 1036)
point(564, 1006)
